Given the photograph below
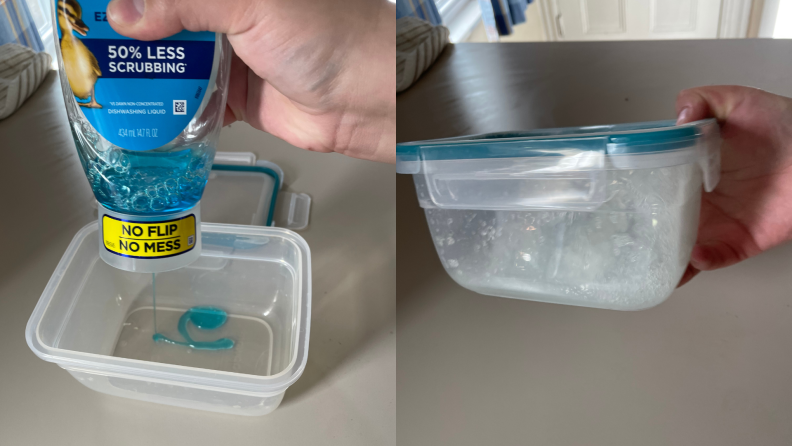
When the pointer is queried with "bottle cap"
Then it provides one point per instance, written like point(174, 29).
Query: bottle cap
point(150, 244)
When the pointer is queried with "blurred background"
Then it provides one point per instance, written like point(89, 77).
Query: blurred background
point(581, 20)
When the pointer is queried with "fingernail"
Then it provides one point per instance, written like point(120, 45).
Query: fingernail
point(684, 115)
point(126, 12)
point(698, 258)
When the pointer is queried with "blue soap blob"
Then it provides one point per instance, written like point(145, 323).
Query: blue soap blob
point(204, 318)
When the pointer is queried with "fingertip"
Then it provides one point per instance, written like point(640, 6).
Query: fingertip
point(229, 117)
point(690, 107)
point(699, 258)
point(684, 99)
point(126, 12)
point(145, 20)
point(684, 116)
point(690, 273)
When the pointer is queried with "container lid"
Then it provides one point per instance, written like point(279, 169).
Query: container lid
point(242, 195)
point(245, 191)
point(562, 169)
point(658, 137)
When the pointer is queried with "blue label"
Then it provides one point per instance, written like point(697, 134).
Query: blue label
point(138, 95)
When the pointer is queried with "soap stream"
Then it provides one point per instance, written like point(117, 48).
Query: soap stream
point(154, 299)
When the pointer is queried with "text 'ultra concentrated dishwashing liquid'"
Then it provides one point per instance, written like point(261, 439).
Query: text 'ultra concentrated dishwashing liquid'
point(145, 117)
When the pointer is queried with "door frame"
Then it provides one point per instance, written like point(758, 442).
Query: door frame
point(734, 18)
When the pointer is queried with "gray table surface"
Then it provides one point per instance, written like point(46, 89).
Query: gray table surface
point(347, 395)
point(710, 366)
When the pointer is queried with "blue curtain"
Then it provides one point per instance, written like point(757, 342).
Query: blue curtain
point(517, 10)
point(506, 13)
point(423, 9)
point(16, 25)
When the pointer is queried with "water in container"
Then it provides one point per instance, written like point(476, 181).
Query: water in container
point(601, 216)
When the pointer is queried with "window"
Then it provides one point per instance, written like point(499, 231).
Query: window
point(783, 22)
point(459, 16)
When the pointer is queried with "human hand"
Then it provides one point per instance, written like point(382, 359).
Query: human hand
point(318, 74)
point(750, 210)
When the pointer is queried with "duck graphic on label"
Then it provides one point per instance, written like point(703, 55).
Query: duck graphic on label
point(80, 64)
point(138, 95)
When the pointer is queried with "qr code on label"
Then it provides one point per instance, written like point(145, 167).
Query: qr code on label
point(190, 240)
point(179, 107)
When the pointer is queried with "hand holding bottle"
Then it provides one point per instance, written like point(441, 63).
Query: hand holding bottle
point(319, 75)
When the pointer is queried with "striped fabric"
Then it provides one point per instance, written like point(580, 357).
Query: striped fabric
point(422, 9)
point(16, 25)
point(418, 44)
point(21, 73)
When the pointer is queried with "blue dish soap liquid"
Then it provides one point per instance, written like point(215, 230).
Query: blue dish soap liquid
point(202, 317)
point(145, 117)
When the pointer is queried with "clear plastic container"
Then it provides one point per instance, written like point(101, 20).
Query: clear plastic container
point(595, 216)
point(97, 321)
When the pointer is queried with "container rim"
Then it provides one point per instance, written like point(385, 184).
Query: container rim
point(176, 374)
point(619, 139)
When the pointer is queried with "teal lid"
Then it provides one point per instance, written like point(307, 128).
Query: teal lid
point(634, 138)
point(242, 195)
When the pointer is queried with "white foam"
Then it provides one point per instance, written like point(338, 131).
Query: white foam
point(629, 253)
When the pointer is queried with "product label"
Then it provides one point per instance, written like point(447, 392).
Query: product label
point(138, 95)
point(147, 240)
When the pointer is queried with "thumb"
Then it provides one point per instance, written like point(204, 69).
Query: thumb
point(710, 102)
point(157, 19)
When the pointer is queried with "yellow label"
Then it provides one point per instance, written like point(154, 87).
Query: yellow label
point(143, 240)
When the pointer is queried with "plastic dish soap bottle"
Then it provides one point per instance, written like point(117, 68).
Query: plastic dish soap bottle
point(145, 117)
